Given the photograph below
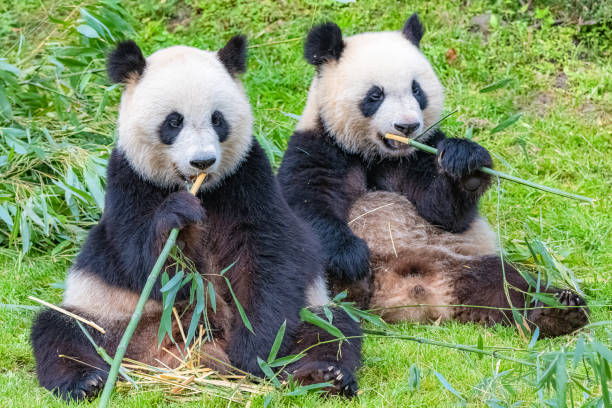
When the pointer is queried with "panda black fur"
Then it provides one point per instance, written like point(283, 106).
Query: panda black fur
point(184, 111)
point(399, 226)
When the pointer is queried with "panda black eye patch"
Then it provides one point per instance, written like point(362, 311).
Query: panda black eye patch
point(220, 125)
point(419, 95)
point(372, 101)
point(170, 128)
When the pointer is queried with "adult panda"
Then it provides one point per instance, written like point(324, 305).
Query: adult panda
point(184, 111)
point(400, 227)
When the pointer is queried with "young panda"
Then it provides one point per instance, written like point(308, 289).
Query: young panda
point(399, 226)
point(183, 112)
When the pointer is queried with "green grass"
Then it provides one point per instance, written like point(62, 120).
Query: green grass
point(561, 83)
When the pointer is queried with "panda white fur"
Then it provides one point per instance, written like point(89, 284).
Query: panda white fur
point(184, 111)
point(399, 227)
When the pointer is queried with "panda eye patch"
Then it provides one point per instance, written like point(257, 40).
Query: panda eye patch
point(419, 95)
point(171, 127)
point(372, 101)
point(220, 125)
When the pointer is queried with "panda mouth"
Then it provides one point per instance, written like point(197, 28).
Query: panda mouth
point(191, 178)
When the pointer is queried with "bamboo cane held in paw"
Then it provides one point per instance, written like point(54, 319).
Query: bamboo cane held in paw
point(492, 172)
point(144, 296)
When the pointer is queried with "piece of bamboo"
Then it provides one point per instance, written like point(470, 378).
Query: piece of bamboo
point(492, 172)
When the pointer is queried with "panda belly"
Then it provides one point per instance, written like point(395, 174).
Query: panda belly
point(111, 308)
point(412, 262)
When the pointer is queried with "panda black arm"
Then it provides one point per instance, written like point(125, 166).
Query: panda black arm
point(137, 219)
point(313, 177)
point(444, 188)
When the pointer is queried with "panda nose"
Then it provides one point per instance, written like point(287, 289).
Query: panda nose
point(407, 128)
point(203, 163)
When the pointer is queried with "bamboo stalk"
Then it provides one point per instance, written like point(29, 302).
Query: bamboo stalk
point(144, 296)
point(492, 172)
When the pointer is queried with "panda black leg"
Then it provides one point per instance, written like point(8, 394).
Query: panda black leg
point(332, 362)
point(78, 375)
point(482, 284)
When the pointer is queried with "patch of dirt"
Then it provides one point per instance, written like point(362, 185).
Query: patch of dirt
point(478, 123)
point(561, 80)
point(538, 103)
point(481, 23)
point(181, 19)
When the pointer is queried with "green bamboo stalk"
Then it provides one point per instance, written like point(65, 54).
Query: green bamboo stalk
point(492, 172)
point(144, 296)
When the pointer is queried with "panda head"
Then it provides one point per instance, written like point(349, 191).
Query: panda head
point(371, 84)
point(183, 111)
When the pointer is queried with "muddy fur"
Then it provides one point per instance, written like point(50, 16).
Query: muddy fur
point(415, 263)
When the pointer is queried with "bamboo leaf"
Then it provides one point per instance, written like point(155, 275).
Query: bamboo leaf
point(414, 377)
point(5, 104)
point(603, 351)
point(496, 85)
point(328, 314)
point(176, 279)
point(506, 123)
point(199, 309)
point(534, 337)
point(307, 316)
point(278, 340)
point(25, 232)
point(447, 385)
point(243, 316)
point(212, 296)
point(578, 351)
point(339, 297)
point(268, 372)
point(561, 380)
point(286, 360)
point(305, 389)
point(222, 273)
point(87, 31)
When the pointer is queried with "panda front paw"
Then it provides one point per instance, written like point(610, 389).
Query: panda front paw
point(349, 261)
point(460, 159)
point(178, 210)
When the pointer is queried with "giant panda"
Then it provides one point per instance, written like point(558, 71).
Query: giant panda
point(184, 111)
point(400, 227)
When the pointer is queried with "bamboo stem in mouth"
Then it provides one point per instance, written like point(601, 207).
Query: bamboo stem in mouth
point(144, 296)
point(492, 172)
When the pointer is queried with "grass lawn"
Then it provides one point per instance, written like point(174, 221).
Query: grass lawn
point(560, 80)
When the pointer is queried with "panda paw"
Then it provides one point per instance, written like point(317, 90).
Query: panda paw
point(342, 381)
point(461, 158)
point(556, 321)
point(87, 386)
point(178, 210)
point(349, 261)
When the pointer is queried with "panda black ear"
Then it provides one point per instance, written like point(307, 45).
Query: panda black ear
point(413, 30)
point(323, 44)
point(125, 62)
point(234, 55)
